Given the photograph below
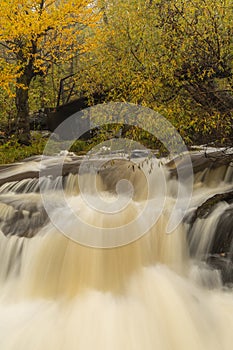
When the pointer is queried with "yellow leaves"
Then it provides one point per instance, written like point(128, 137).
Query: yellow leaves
point(21, 86)
point(40, 32)
point(8, 73)
point(29, 20)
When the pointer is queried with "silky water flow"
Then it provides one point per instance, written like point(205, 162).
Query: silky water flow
point(58, 294)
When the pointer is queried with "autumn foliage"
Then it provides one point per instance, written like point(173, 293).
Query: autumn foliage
point(175, 56)
point(35, 34)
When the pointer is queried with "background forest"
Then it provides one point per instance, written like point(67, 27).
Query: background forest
point(174, 56)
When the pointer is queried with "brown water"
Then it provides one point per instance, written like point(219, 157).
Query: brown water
point(57, 294)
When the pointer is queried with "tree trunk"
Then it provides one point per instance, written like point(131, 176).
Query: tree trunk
point(22, 121)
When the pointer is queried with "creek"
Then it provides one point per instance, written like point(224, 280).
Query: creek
point(142, 289)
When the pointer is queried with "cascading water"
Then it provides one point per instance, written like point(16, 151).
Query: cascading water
point(147, 294)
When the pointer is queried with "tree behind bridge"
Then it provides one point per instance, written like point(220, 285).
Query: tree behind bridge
point(34, 34)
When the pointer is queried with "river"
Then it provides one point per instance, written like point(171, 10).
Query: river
point(65, 285)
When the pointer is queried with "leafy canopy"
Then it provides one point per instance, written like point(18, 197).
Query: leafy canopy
point(35, 33)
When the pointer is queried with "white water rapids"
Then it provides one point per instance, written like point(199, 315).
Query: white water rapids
point(56, 294)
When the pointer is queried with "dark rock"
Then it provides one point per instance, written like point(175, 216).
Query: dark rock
point(224, 264)
point(204, 210)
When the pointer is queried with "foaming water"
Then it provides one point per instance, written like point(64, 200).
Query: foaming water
point(159, 310)
point(203, 231)
point(148, 294)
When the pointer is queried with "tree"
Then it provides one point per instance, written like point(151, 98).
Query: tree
point(171, 55)
point(33, 35)
point(198, 39)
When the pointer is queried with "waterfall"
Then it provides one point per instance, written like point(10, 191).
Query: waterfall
point(158, 291)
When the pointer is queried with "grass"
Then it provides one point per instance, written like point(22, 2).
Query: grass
point(11, 151)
